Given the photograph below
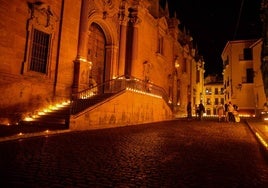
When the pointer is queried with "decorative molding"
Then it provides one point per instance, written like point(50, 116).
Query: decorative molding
point(133, 16)
point(42, 15)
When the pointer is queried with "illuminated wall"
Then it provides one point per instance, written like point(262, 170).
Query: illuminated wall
point(239, 59)
point(51, 50)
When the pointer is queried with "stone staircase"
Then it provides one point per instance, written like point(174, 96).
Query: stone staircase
point(51, 119)
point(58, 118)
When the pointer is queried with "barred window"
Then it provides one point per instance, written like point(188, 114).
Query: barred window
point(39, 55)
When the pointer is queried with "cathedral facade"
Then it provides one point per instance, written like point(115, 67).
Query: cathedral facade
point(52, 50)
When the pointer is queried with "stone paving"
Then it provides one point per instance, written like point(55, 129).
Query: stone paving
point(177, 153)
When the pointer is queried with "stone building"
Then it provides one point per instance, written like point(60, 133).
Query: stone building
point(214, 94)
point(243, 82)
point(66, 52)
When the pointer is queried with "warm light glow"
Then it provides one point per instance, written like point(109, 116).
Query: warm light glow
point(47, 131)
point(240, 115)
point(28, 119)
point(84, 60)
point(46, 110)
point(144, 93)
point(41, 113)
point(87, 95)
point(20, 134)
point(66, 102)
point(59, 105)
point(34, 116)
point(262, 140)
point(52, 107)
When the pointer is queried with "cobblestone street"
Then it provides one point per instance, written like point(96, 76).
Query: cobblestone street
point(176, 153)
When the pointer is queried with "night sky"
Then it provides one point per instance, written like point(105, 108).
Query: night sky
point(212, 23)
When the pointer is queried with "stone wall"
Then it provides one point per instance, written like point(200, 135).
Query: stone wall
point(124, 109)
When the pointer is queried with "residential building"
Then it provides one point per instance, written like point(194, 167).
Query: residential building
point(243, 84)
point(214, 94)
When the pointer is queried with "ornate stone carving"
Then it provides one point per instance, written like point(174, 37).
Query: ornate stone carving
point(42, 15)
point(108, 8)
point(133, 16)
point(122, 12)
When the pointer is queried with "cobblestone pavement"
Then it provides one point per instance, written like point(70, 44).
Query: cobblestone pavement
point(176, 153)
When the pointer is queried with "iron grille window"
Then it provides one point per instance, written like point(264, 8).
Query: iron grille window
point(39, 56)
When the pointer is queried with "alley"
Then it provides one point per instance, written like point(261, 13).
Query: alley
point(177, 153)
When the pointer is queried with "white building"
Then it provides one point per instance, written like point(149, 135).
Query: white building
point(241, 75)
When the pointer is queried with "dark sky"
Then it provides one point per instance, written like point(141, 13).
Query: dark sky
point(212, 23)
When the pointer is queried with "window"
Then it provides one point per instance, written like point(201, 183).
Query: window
point(208, 91)
point(250, 75)
point(208, 101)
point(222, 91)
point(39, 54)
point(208, 112)
point(247, 54)
point(216, 101)
point(41, 29)
point(216, 91)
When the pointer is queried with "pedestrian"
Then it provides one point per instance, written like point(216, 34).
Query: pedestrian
point(189, 111)
point(230, 112)
point(196, 111)
point(201, 110)
point(226, 112)
point(220, 111)
point(236, 114)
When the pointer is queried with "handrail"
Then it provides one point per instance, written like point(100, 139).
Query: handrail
point(114, 86)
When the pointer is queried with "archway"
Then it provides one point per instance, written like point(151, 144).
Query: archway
point(97, 53)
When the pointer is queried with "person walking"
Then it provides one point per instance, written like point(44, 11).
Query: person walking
point(196, 111)
point(230, 112)
point(220, 111)
point(201, 110)
point(189, 111)
point(226, 112)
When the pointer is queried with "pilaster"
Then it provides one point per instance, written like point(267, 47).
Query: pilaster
point(132, 41)
point(81, 65)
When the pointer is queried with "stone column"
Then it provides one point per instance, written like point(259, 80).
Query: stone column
point(122, 49)
point(122, 41)
point(132, 42)
point(81, 65)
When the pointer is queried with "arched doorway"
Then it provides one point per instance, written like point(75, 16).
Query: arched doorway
point(96, 53)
